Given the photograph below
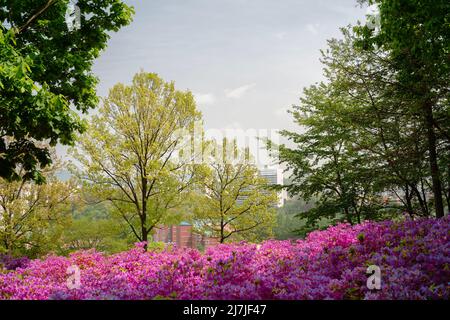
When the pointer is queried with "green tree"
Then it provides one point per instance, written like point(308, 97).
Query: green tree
point(95, 226)
point(416, 35)
point(32, 216)
point(128, 153)
point(362, 145)
point(288, 225)
point(45, 75)
point(235, 202)
point(378, 116)
point(324, 164)
point(102, 234)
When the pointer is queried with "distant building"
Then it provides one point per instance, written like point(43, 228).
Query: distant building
point(183, 236)
point(275, 176)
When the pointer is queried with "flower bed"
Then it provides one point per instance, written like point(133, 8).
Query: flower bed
point(413, 256)
point(10, 262)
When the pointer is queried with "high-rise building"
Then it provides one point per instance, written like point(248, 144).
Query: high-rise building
point(275, 176)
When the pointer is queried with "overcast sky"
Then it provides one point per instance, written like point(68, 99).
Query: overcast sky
point(246, 61)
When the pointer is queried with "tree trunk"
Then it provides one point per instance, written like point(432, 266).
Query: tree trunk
point(222, 231)
point(144, 235)
point(144, 230)
point(447, 192)
point(7, 247)
point(357, 212)
point(434, 168)
point(422, 201)
point(347, 216)
point(408, 198)
point(448, 204)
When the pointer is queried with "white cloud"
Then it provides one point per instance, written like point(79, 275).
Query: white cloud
point(238, 92)
point(204, 98)
point(313, 28)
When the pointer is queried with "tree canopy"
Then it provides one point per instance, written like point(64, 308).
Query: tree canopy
point(234, 201)
point(127, 155)
point(416, 36)
point(45, 75)
point(363, 147)
point(33, 217)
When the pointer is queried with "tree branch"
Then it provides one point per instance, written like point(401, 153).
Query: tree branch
point(36, 15)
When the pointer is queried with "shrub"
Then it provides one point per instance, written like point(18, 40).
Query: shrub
point(414, 257)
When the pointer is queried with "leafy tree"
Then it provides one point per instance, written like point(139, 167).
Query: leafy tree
point(236, 202)
point(95, 226)
point(128, 153)
point(416, 35)
point(32, 216)
point(45, 73)
point(361, 143)
point(382, 127)
point(101, 234)
point(324, 164)
point(288, 225)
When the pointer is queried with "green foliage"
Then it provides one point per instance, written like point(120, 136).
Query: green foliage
point(33, 217)
point(382, 125)
point(127, 154)
point(324, 164)
point(234, 202)
point(157, 246)
point(416, 36)
point(288, 225)
point(364, 142)
point(93, 227)
point(45, 70)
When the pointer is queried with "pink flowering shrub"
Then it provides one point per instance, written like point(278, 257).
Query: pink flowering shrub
point(414, 257)
point(12, 263)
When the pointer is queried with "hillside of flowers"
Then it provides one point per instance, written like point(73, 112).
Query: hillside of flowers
point(414, 258)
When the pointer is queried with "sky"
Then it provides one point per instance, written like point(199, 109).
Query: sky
point(246, 61)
